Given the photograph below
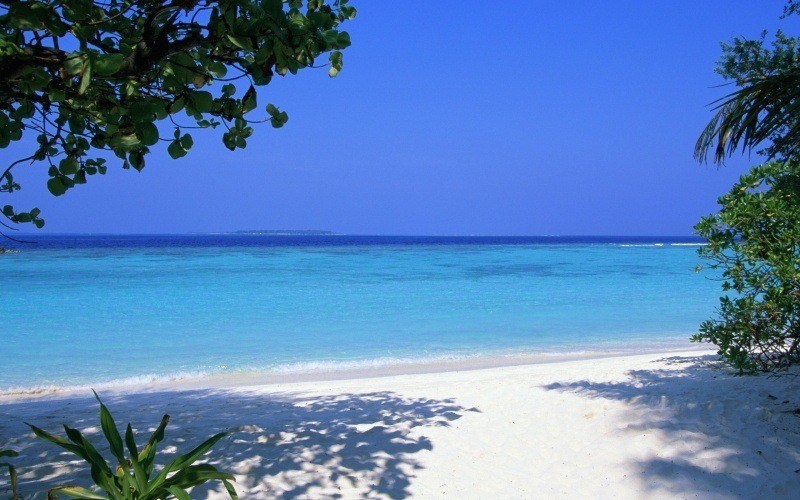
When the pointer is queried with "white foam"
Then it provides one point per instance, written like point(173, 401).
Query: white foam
point(339, 366)
point(106, 384)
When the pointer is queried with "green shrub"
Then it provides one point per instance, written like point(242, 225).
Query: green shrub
point(132, 477)
point(755, 241)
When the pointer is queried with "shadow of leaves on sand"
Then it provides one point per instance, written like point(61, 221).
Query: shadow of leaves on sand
point(280, 445)
point(718, 444)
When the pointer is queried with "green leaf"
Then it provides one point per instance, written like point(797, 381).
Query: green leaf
point(231, 490)
point(148, 453)
point(108, 64)
point(228, 89)
point(187, 142)
point(249, 100)
point(189, 458)
point(148, 133)
point(56, 187)
point(202, 101)
point(179, 493)
point(240, 42)
point(91, 454)
point(86, 77)
point(194, 475)
point(110, 431)
point(73, 64)
point(183, 461)
point(68, 165)
point(75, 492)
point(175, 150)
point(59, 441)
point(8, 453)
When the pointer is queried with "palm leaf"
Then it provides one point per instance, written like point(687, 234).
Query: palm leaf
point(766, 109)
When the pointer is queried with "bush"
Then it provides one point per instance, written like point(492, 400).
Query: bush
point(755, 241)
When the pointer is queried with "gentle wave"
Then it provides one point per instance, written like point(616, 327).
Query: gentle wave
point(358, 366)
point(139, 380)
point(642, 245)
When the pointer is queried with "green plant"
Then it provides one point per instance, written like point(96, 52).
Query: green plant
point(94, 80)
point(133, 477)
point(766, 107)
point(12, 472)
point(755, 241)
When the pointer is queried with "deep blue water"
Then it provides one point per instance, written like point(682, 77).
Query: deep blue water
point(90, 309)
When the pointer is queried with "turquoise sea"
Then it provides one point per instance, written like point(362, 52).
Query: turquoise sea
point(82, 310)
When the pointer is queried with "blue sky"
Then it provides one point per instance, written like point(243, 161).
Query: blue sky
point(518, 117)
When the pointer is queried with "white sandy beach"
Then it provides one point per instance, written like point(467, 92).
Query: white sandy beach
point(644, 426)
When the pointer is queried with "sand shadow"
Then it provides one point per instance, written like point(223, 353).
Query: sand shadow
point(280, 445)
point(718, 445)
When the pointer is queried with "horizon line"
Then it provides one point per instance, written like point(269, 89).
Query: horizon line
point(334, 233)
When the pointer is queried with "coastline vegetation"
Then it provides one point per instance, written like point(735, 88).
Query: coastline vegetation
point(98, 83)
point(755, 237)
point(133, 69)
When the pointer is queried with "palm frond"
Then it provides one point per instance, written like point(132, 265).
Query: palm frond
point(767, 109)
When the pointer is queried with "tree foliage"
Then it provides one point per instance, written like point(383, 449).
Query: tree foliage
point(765, 108)
point(105, 79)
point(755, 241)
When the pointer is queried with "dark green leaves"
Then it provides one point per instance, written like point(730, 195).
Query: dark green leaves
point(754, 241)
point(175, 150)
point(336, 63)
point(57, 186)
point(278, 118)
point(132, 473)
point(107, 64)
point(107, 73)
point(249, 100)
point(180, 145)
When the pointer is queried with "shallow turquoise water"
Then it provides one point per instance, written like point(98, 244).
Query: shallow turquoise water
point(76, 314)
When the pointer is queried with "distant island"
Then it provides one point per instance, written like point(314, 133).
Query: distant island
point(288, 232)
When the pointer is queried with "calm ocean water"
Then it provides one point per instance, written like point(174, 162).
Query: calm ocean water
point(91, 309)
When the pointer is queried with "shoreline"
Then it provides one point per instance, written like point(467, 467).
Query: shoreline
point(673, 424)
point(352, 372)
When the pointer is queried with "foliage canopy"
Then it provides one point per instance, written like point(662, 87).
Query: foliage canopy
point(766, 107)
point(754, 240)
point(94, 80)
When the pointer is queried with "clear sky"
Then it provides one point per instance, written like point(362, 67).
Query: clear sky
point(458, 118)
